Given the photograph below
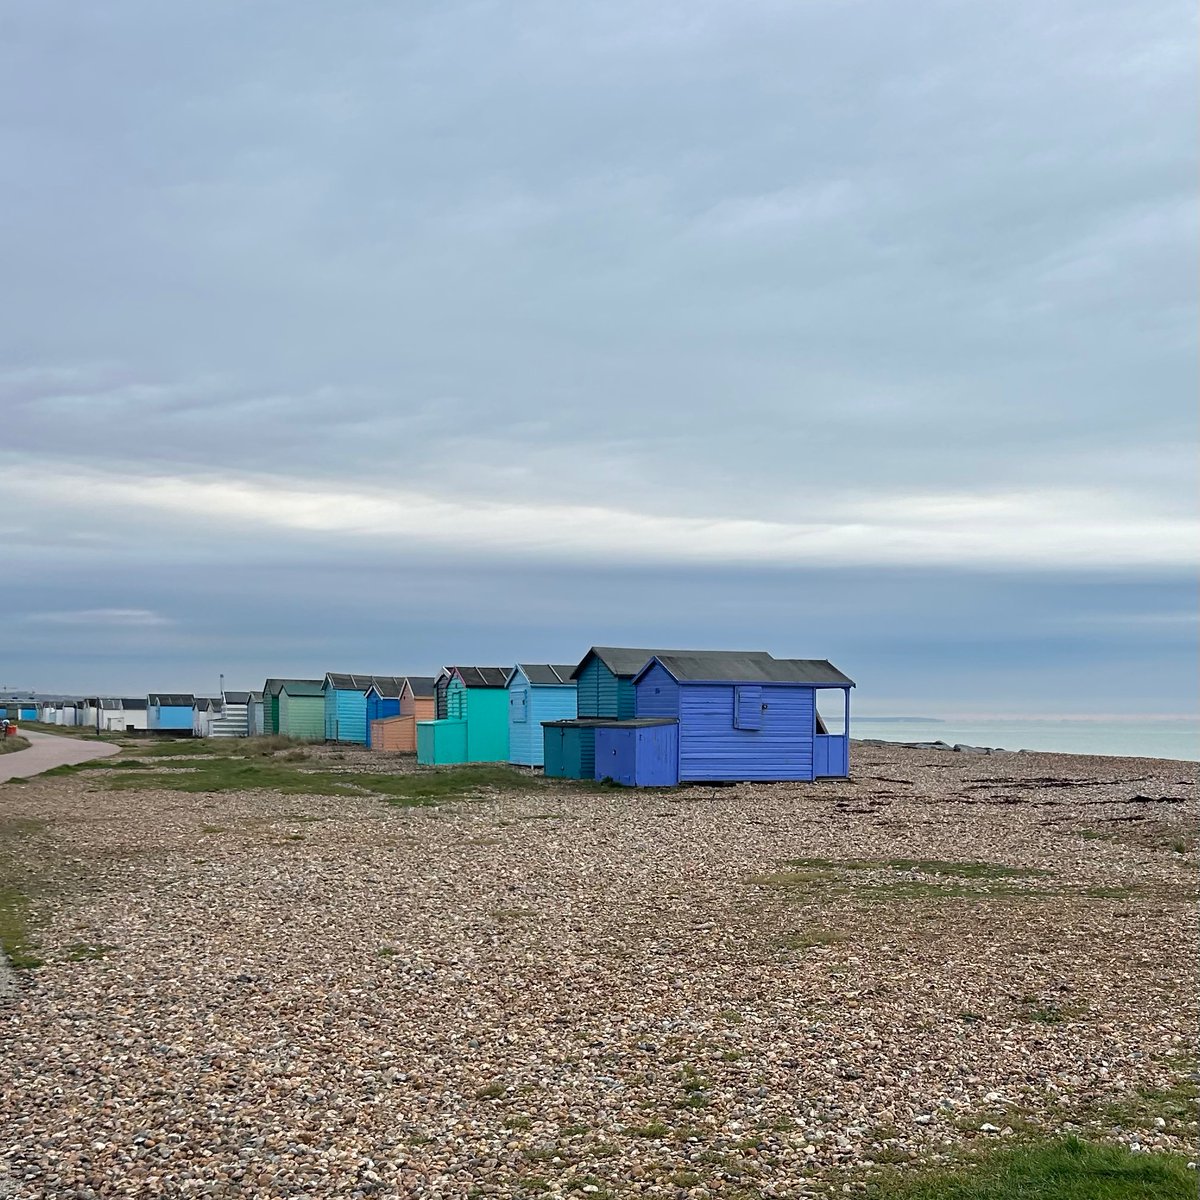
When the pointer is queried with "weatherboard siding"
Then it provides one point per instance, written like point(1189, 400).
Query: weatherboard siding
point(302, 717)
point(528, 706)
point(601, 694)
point(657, 694)
point(168, 716)
point(345, 716)
point(712, 748)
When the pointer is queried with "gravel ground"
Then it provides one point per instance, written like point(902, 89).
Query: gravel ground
point(597, 992)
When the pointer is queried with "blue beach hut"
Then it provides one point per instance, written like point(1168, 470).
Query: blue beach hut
point(170, 712)
point(537, 692)
point(746, 716)
point(345, 698)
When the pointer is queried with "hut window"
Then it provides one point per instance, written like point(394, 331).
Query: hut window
point(747, 707)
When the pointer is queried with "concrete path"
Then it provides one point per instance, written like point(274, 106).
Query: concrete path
point(48, 750)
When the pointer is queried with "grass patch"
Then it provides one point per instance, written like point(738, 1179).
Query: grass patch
point(18, 885)
point(654, 1130)
point(13, 743)
point(221, 773)
point(926, 866)
point(491, 1091)
point(1068, 1169)
point(1177, 1105)
point(86, 951)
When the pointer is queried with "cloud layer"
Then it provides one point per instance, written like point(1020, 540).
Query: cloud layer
point(715, 289)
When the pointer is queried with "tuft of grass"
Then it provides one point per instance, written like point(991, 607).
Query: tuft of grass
point(1066, 1169)
point(1178, 1105)
point(491, 1091)
point(653, 1130)
point(85, 951)
point(926, 866)
point(807, 939)
point(16, 940)
point(13, 743)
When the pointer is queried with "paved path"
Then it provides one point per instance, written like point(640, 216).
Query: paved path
point(48, 750)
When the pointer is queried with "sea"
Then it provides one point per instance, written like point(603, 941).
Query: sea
point(1132, 737)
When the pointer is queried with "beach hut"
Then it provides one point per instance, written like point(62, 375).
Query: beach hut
point(170, 712)
point(740, 716)
point(475, 728)
point(204, 709)
point(396, 730)
point(232, 718)
point(604, 689)
point(300, 708)
point(537, 692)
point(254, 714)
point(345, 699)
point(383, 700)
point(440, 685)
point(272, 690)
point(122, 714)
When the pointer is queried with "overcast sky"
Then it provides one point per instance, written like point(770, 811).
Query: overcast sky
point(373, 337)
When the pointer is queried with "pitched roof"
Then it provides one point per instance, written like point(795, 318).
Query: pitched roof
point(483, 677)
point(755, 667)
point(387, 686)
point(422, 686)
point(625, 662)
point(205, 703)
point(350, 683)
point(272, 687)
point(172, 699)
point(302, 687)
point(135, 704)
point(237, 697)
point(544, 673)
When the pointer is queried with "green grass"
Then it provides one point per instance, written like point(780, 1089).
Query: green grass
point(1068, 1169)
point(85, 951)
point(807, 939)
point(13, 743)
point(926, 866)
point(219, 773)
point(15, 938)
point(18, 885)
point(1178, 1105)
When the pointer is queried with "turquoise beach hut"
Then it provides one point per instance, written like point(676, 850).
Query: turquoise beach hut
point(475, 728)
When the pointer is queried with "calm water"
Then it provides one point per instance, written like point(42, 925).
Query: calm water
point(1157, 737)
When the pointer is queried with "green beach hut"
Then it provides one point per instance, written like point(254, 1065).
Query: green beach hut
point(294, 708)
point(475, 727)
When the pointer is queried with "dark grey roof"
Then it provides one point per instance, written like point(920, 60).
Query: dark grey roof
point(237, 697)
point(204, 703)
point(256, 697)
point(625, 663)
point(582, 722)
point(422, 686)
point(732, 667)
point(302, 687)
point(484, 677)
point(350, 683)
point(635, 722)
point(272, 687)
point(135, 704)
point(112, 703)
point(389, 686)
point(172, 699)
point(545, 673)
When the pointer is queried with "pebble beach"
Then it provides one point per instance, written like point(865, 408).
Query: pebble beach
point(747, 991)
